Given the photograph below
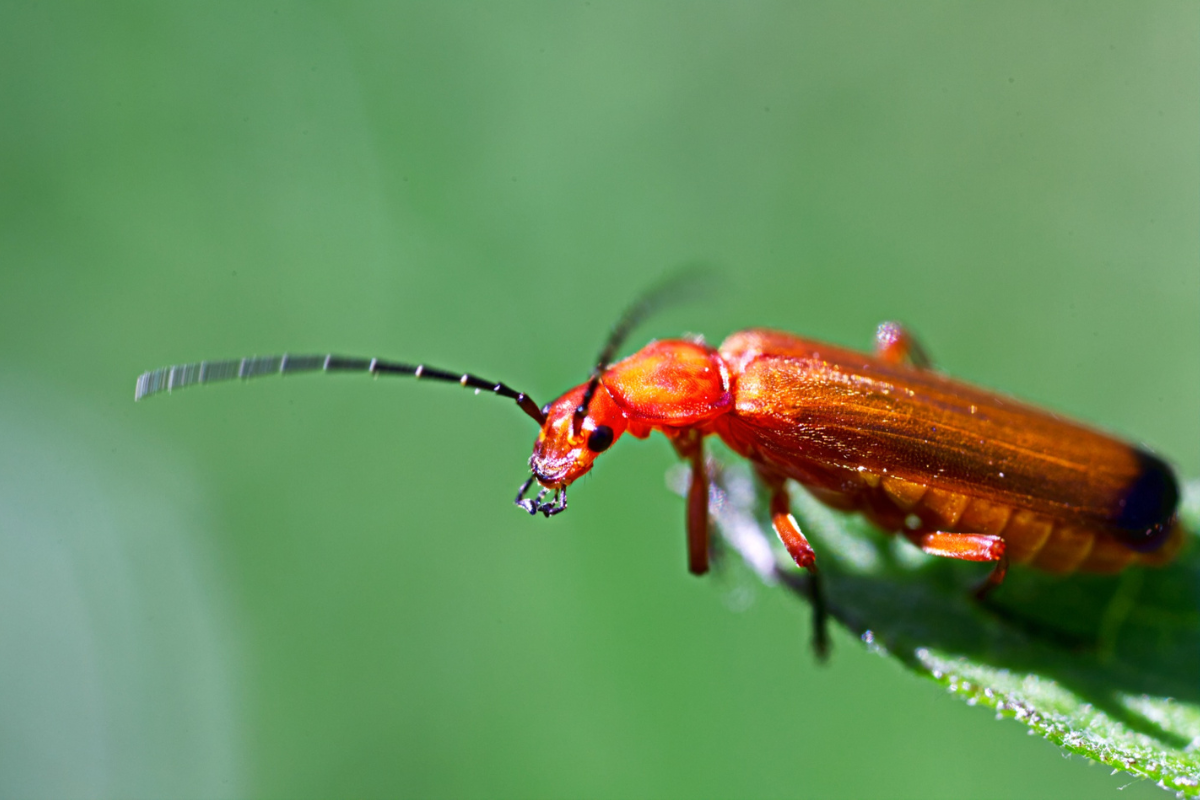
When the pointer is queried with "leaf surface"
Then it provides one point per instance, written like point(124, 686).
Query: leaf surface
point(1104, 666)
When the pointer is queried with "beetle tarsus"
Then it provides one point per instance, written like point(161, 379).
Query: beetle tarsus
point(816, 596)
point(811, 587)
point(557, 505)
point(527, 505)
point(994, 578)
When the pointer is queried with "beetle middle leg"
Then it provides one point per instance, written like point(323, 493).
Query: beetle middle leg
point(795, 542)
point(785, 525)
point(968, 547)
point(896, 344)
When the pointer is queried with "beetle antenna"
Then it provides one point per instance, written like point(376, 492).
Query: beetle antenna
point(678, 286)
point(168, 379)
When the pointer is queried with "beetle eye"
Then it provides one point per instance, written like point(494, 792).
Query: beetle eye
point(600, 439)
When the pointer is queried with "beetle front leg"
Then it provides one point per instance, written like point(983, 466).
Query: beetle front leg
point(968, 547)
point(896, 344)
point(690, 446)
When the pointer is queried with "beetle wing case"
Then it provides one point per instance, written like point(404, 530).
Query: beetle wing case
point(804, 403)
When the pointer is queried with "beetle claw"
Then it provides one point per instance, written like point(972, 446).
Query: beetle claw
point(558, 504)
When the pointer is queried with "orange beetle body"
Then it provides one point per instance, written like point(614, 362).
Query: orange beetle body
point(959, 471)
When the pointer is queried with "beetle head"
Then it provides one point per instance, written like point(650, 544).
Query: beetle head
point(562, 454)
point(670, 384)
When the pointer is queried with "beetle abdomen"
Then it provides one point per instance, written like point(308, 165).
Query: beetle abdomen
point(1039, 540)
point(1063, 496)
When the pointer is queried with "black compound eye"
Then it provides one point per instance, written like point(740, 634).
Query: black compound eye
point(600, 439)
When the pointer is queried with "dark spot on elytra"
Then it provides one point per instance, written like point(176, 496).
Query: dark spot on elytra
point(1145, 510)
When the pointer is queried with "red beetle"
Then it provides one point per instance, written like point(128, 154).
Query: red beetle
point(959, 471)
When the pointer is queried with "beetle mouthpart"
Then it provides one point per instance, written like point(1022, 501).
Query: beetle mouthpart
point(557, 504)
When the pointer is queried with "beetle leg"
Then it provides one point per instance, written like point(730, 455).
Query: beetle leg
point(896, 344)
point(785, 525)
point(697, 515)
point(994, 578)
point(690, 445)
point(788, 531)
point(528, 505)
point(968, 547)
point(557, 505)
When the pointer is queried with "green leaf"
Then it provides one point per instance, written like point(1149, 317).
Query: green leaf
point(1106, 667)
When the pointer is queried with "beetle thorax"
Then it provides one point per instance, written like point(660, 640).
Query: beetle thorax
point(672, 383)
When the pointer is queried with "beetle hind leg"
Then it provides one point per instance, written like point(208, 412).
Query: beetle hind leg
point(967, 547)
point(896, 344)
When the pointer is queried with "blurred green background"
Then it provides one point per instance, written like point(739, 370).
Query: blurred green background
point(319, 586)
